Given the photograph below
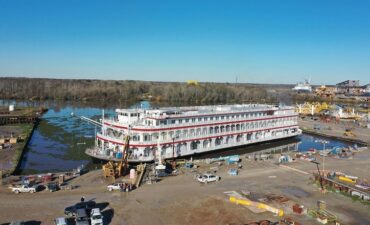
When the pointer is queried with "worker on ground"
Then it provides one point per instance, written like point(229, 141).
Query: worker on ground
point(82, 199)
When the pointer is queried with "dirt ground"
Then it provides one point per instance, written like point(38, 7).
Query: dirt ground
point(336, 129)
point(7, 154)
point(182, 200)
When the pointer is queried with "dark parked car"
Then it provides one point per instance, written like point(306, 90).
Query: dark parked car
point(81, 217)
point(71, 210)
point(52, 187)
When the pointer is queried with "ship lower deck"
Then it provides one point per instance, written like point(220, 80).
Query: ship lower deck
point(98, 154)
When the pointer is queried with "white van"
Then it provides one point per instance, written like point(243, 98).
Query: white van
point(96, 217)
point(60, 221)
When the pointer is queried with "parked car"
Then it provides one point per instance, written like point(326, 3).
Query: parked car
point(23, 188)
point(208, 177)
point(81, 217)
point(52, 187)
point(96, 218)
point(60, 221)
point(71, 210)
point(65, 186)
point(39, 187)
point(114, 186)
point(162, 173)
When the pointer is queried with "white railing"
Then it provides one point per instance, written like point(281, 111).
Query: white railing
point(198, 123)
point(101, 153)
point(200, 136)
point(109, 138)
point(242, 142)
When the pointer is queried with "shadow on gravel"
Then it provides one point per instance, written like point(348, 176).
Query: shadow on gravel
point(296, 192)
point(31, 222)
point(102, 205)
point(108, 215)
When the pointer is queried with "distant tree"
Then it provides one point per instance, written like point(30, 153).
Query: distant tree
point(131, 90)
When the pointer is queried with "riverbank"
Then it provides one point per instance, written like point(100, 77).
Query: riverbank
point(335, 130)
point(12, 151)
point(15, 135)
point(21, 150)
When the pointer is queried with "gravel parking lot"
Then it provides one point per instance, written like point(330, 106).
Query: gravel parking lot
point(182, 200)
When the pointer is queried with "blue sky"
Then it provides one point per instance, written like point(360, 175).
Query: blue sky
point(255, 40)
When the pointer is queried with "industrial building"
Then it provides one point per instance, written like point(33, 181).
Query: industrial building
point(350, 87)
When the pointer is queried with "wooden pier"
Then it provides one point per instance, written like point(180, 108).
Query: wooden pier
point(9, 119)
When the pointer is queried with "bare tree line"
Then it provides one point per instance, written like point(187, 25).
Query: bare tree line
point(129, 90)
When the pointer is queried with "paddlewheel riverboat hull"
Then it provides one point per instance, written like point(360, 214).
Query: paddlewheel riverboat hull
point(166, 133)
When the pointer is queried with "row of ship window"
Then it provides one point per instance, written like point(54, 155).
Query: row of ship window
point(194, 145)
point(184, 133)
point(208, 118)
point(210, 130)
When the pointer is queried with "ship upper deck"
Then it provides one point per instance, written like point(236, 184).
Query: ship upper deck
point(178, 112)
point(180, 116)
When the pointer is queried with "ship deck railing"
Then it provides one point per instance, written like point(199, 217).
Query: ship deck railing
point(216, 111)
point(141, 124)
point(98, 152)
point(195, 135)
point(186, 139)
point(212, 108)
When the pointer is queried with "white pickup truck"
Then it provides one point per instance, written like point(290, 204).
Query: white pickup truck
point(114, 187)
point(207, 177)
point(23, 188)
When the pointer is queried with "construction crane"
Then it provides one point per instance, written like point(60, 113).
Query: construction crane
point(122, 167)
point(349, 132)
point(111, 169)
point(325, 92)
point(114, 169)
point(192, 82)
point(320, 177)
point(311, 108)
point(88, 120)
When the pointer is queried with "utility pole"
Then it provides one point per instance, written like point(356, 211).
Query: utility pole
point(320, 177)
point(323, 142)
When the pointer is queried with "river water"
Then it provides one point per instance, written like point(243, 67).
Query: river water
point(59, 141)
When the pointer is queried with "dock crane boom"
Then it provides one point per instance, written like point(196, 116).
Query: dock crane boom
point(112, 169)
point(122, 167)
point(320, 176)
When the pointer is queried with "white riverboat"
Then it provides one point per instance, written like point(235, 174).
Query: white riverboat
point(183, 131)
point(303, 87)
